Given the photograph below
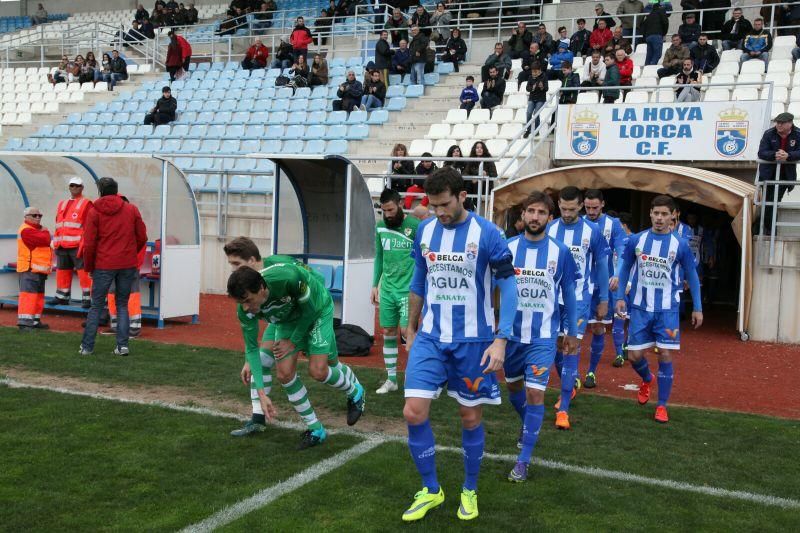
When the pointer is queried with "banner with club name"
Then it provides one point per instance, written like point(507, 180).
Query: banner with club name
point(701, 131)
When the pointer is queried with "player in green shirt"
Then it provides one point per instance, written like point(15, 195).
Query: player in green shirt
point(294, 300)
point(394, 267)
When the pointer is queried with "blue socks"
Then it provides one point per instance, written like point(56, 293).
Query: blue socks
point(598, 344)
point(534, 414)
point(568, 375)
point(643, 369)
point(559, 362)
point(517, 399)
point(423, 451)
point(664, 382)
point(472, 442)
point(618, 334)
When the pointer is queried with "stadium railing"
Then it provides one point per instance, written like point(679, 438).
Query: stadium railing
point(768, 227)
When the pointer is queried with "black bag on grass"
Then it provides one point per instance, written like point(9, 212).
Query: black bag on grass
point(352, 340)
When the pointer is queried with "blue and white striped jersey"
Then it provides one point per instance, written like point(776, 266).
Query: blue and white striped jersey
point(542, 268)
point(454, 275)
point(615, 237)
point(584, 239)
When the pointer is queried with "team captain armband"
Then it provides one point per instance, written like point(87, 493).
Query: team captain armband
point(503, 269)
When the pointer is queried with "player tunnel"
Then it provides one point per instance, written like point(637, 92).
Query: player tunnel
point(723, 202)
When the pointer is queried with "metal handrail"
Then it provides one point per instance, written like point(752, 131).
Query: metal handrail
point(762, 200)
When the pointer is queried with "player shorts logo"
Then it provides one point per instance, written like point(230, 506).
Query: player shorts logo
point(472, 386)
point(472, 251)
point(538, 370)
point(672, 332)
point(585, 133)
point(551, 268)
point(731, 132)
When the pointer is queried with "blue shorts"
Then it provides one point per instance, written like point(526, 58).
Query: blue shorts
point(659, 328)
point(593, 309)
point(583, 319)
point(530, 361)
point(433, 364)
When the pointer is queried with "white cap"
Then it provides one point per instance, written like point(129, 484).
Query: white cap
point(75, 180)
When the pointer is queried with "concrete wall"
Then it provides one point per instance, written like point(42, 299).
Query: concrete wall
point(775, 310)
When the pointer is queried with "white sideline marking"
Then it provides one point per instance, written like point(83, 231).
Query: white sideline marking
point(764, 499)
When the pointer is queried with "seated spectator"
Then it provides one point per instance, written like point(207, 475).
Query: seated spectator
point(734, 30)
point(59, 74)
point(520, 40)
point(174, 61)
point(119, 70)
point(158, 17)
point(284, 57)
point(600, 37)
point(629, 8)
point(336, 13)
point(537, 94)
point(300, 38)
point(299, 73)
point(455, 50)
point(86, 73)
point(256, 56)
point(757, 43)
point(319, 72)
point(796, 49)
point(579, 42)
point(40, 16)
point(192, 16)
point(92, 65)
point(493, 90)
point(403, 168)
point(418, 47)
point(164, 110)
point(350, 93)
point(500, 60)
point(543, 39)
point(704, 55)
point(562, 34)
point(569, 79)
point(618, 41)
point(533, 55)
point(146, 28)
point(231, 24)
point(602, 16)
point(611, 79)
point(383, 56)
point(425, 166)
point(673, 58)
point(134, 35)
point(469, 95)
point(689, 31)
point(401, 61)
point(141, 14)
point(624, 66)
point(594, 71)
point(489, 168)
point(422, 19)
point(397, 26)
point(561, 55)
point(691, 77)
point(440, 21)
point(103, 69)
point(374, 92)
point(455, 151)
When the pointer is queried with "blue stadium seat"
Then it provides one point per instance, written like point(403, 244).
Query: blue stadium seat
point(64, 145)
point(184, 163)
point(336, 131)
point(30, 143)
point(46, 131)
point(205, 163)
point(152, 145)
point(326, 271)
point(244, 164)
point(188, 117)
point(265, 165)
point(120, 118)
point(394, 90)
point(229, 146)
point(237, 84)
point(253, 83)
point(336, 63)
point(378, 116)
point(210, 105)
point(161, 131)
point(316, 131)
point(15, 143)
point(216, 94)
point(338, 279)
point(74, 118)
point(135, 118)
point(336, 117)
point(397, 103)
point(131, 106)
point(335, 82)
point(357, 117)
point(277, 117)
point(196, 181)
point(284, 92)
point(222, 117)
point(317, 117)
point(319, 104)
point(125, 96)
point(180, 131)
point(280, 104)
point(217, 66)
point(357, 131)
point(127, 131)
point(195, 105)
point(109, 131)
point(112, 107)
point(134, 145)
point(246, 104)
point(395, 79)
point(209, 146)
point(93, 130)
point(213, 182)
point(262, 184)
point(98, 145)
point(336, 71)
point(244, 74)
point(337, 146)
point(263, 104)
point(60, 130)
point(239, 183)
point(116, 145)
point(234, 131)
point(332, 91)
point(234, 94)
point(414, 91)
point(273, 73)
point(296, 131)
point(232, 65)
point(100, 107)
point(297, 117)
point(259, 117)
point(300, 104)
point(319, 92)
point(88, 118)
point(215, 131)
point(274, 131)
point(432, 78)
point(79, 145)
point(215, 75)
point(254, 131)
point(171, 146)
point(293, 147)
point(228, 105)
point(258, 74)
point(445, 68)
point(271, 146)
point(204, 94)
point(190, 146)
point(315, 146)
point(302, 92)
point(77, 130)
point(354, 62)
point(250, 93)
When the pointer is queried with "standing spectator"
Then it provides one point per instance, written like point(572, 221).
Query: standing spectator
point(520, 40)
point(350, 93)
point(402, 168)
point(256, 56)
point(455, 50)
point(791, 18)
point(141, 14)
point(537, 94)
point(300, 38)
point(397, 26)
point(780, 144)
point(543, 39)
point(70, 218)
point(654, 27)
point(626, 11)
point(422, 19)
point(600, 36)
point(757, 43)
point(713, 20)
point(618, 41)
point(114, 236)
point(624, 66)
point(164, 110)
point(40, 16)
point(383, 56)
point(603, 16)
point(118, 70)
point(579, 42)
point(34, 263)
point(734, 30)
point(499, 60)
point(469, 95)
point(374, 92)
point(561, 56)
point(174, 61)
point(493, 90)
point(455, 151)
point(569, 80)
point(284, 57)
point(323, 27)
point(689, 31)
point(691, 77)
point(418, 48)
point(401, 61)
point(441, 20)
point(612, 79)
point(192, 16)
point(796, 49)
point(319, 72)
point(489, 168)
point(533, 55)
point(704, 55)
point(673, 58)
point(594, 71)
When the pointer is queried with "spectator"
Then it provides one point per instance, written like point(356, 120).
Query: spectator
point(689, 31)
point(263, 18)
point(734, 30)
point(455, 151)
point(666, 5)
point(493, 90)
point(284, 57)
point(59, 74)
point(383, 56)
point(401, 61)
point(561, 55)
point(40, 16)
point(594, 71)
point(673, 58)
point(141, 14)
point(300, 38)
point(350, 93)
point(229, 26)
point(612, 79)
point(422, 19)
point(469, 95)
point(704, 55)
point(780, 144)
point(418, 48)
point(757, 43)
point(103, 69)
point(791, 18)
point(91, 63)
point(603, 16)
point(374, 92)
point(533, 55)
point(654, 27)
point(134, 35)
point(713, 20)
point(164, 110)
point(397, 26)
point(624, 66)
point(569, 80)
point(600, 36)
point(403, 168)
point(796, 49)
point(520, 40)
point(86, 73)
point(441, 20)
point(174, 61)
point(256, 56)
point(618, 41)
point(34, 263)
point(114, 236)
point(193, 17)
point(146, 28)
point(118, 70)
point(186, 49)
point(499, 60)
point(691, 77)
point(626, 11)
point(579, 42)
point(336, 13)
point(562, 34)
point(472, 169)
point(543, 39)
point(319, 72)
point(323, 27)
point(425, 166)
point(299, 72)
point(455, 50)
point(537, 94)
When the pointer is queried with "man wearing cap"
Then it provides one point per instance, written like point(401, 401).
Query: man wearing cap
point(34, 263)
point(164, 111)
point(782, 145)
point(70, 217)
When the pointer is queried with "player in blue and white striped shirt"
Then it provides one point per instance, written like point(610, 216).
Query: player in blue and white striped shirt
point(544, 270)
point(590, 251)
point(655, 256)
point(456, 255)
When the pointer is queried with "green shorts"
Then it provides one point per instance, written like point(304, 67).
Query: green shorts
point(393, 309)
point(321, 340)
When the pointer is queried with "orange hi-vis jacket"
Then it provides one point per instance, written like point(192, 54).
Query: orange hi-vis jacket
point(38, 260)
point(70, 216)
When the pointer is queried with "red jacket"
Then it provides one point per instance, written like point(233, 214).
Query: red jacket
point(35, 238)
point(186, 48)
point(113, 235)
point(259, 54)
point(174, 58)
point(625, 71)
point(599, 38)
point(301, 38)
point(414, 192)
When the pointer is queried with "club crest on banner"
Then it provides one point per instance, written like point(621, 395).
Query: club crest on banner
point(585, 133)
point(731, 133)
